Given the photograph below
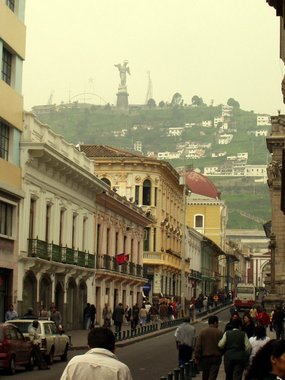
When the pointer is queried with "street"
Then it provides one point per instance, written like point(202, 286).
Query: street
point(151, 358)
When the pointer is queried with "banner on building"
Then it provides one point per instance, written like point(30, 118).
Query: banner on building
point(122, 258)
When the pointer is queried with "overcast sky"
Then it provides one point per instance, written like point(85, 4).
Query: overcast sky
point(215, 49)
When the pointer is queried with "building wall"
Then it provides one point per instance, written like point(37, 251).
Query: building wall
point(12, 37)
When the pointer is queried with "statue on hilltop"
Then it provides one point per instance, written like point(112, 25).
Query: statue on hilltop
point(123, 70)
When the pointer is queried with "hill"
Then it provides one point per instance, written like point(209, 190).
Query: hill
point(150, 126)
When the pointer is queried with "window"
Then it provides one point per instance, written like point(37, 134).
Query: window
point(154, 239)
point(116, 242)
point(146, 192)
point(48, 221)
point(98, 238)
point(155, 196)
point(137, 195)
point(199, 221)
point(84, 229)
point(146, 239)
point(11, 4)
point(6, 66)
point(61, 226)
point(32, 218)
point(6, 218)
point(108, 241)
point(105, 180)
point(4, 140)
point(125, 244)
point(74, 230)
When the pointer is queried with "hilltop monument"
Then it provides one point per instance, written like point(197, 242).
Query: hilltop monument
point(122, 94)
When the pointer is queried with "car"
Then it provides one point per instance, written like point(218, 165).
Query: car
point(53, 343)
point(15, 349)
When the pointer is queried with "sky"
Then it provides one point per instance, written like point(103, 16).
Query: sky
point(216, 49)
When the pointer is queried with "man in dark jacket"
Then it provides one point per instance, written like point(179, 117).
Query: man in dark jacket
point(277, 322)
point(237, 349)
point(118, 316)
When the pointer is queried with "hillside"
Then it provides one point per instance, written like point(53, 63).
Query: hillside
point(110, 126)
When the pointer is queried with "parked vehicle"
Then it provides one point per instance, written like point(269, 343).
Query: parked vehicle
point(15, 349)
point(244, 296)
point(53, 344)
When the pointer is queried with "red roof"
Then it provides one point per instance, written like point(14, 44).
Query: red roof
point(199, 184)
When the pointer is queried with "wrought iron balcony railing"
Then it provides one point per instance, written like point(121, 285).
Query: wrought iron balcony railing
point(57, 253)
point(53, 252)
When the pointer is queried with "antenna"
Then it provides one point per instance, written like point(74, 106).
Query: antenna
point(149, 88)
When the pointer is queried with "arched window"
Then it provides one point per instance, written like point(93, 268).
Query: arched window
point(106, 180)
point(146, 192)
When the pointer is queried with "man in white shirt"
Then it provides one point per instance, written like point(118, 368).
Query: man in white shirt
point(100, 362)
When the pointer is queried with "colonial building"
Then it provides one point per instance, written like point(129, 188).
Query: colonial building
point(207, 214)
point(12, 54)
point(72, 227)
point(154, 186)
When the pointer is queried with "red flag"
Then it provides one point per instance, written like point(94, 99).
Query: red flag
point(122, 258)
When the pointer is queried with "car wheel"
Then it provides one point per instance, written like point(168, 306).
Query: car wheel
point(50, 356)
point(12, 366)
point(64, 356)
point(31, 364)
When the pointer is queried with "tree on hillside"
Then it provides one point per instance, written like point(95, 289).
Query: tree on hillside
point(233, 103)
point(197, 101)
point(176, 99)
point(161, 104)
point(151, 103)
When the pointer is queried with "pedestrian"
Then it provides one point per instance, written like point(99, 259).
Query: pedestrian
point(118, 316)
point(128, 312)
point(269, 362)
point(11, 313)
point(56, 318)
point(36, 340)
point(99, 362)
point(277, 322)
point(207, 353)
point(185, 341)
point(170, 313)
point(30, 314)
point(107, 315)
point(86, 316)
point(92, 312)
point(191, 309)
point(135, 316)
point(248, 325)
point(234, 316)
point(43, 313)
point(257, 341)
point(263, 318)
point(143, 315)
point(153, 313)
point(236, 347)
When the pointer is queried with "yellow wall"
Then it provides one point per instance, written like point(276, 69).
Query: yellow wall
point(11, 106)
point(10, 174)
point(12, 30)
point(212, 220)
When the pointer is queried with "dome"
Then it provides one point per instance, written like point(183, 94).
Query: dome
point(199, 184)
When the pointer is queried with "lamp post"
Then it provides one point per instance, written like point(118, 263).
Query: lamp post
point(272, 247)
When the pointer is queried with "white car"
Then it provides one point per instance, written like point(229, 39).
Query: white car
point(53, 344)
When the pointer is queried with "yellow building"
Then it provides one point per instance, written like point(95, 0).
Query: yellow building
point(207, 214)
point(154, 186)
point(12, 54)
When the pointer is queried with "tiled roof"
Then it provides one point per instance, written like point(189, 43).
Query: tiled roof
point(105, 151)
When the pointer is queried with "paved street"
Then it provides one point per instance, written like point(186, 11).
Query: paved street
point(149, 359)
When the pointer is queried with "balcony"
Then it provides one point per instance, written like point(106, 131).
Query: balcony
point(65, 255)
point(52, 252)
point(110, 263)
point(195, 275)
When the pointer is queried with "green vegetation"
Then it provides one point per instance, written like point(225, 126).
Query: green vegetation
point(96, 125)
